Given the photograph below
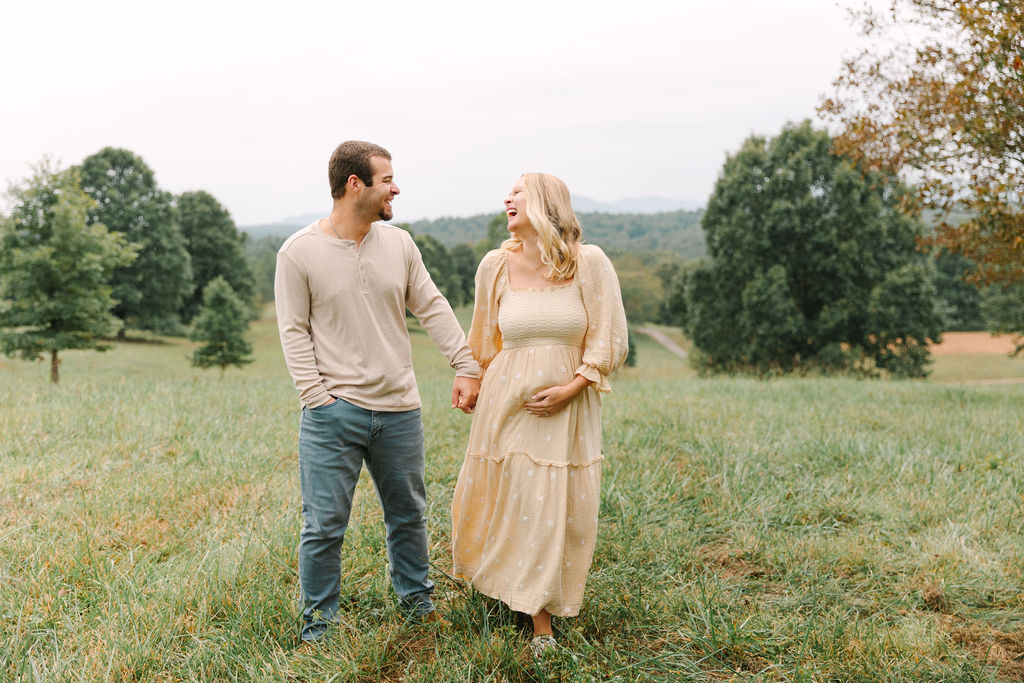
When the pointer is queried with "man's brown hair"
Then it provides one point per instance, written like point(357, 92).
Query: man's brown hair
point(352, 158)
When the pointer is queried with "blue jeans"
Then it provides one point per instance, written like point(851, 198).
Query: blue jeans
point(334, 442)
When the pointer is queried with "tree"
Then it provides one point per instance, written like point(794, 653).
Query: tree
point(438, 263)
point(1004, 308)
point(812, 265)
point(261, 253)
point(642, 291)
point(674, 279)
point(220, 326)
point(497, 232)
point(215, 247)
point(962, 300)
point(151, 290)
point(464, 263)
point(904, 314)
point(55, 269)
point(949, 111)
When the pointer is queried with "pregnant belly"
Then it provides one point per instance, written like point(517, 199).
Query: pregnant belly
point(520, 373)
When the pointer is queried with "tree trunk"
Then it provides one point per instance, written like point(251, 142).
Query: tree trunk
point(54, 364)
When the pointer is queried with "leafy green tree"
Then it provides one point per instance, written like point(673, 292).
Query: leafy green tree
point(642, 291)
point(669, 267)
point(962, 300)
point(464, 264)
point(55, 269)
point(497, 232)
point(215, 247)
point(220, 326)
point(261, 253)
point(673, 306)
point(1004, 308)
point(811, 264)
point(152, 289)
point(904, 313)
point(438, 263)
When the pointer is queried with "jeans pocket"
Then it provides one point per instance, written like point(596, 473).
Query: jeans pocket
point(323, 406)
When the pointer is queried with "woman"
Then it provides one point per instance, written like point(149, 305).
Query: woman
point(548, 328)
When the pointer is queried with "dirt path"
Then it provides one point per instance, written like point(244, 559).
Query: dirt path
point(663, 339)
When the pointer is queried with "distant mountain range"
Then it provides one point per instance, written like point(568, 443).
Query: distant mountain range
point(639, 205)
point(281, 228)
point(634, 205)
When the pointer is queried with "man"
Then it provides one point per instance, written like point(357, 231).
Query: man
point(341, 289)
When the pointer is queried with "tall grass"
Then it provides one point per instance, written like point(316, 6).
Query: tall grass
point(793, 529)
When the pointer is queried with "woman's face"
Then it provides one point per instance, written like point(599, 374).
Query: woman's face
point(515, 207)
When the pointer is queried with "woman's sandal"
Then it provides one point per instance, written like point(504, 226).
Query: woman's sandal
point(541, 644)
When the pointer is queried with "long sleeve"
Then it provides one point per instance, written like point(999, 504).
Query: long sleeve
point(605, 345)
point(484, 335)
point(435, 314)
point(292, 301)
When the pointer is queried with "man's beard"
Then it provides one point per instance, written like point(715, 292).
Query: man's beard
point(384, 213)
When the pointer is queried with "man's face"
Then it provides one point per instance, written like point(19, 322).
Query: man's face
point(377, 198)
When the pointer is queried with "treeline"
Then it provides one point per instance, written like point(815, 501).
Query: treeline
point(99, 249)
point(802, 260)
point(183, 241)
point(653, 281)
point(646, 277)
point(671, 233)
point(675, 231)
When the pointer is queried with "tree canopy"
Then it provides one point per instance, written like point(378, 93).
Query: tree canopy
point(812, 265)
point(940, 97)
point(438, 263)
point(464, 262)
point(962, 300)
point(642, 289)
point(152, 289)
point(55, 269)
point(215, 247)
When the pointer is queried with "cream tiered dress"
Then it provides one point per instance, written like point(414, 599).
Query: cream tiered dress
point(525, 508)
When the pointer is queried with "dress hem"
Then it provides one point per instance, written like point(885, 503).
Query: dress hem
point(536, 461)
point(517, 606)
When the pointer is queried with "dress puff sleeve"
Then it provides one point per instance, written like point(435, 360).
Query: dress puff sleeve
point(605, 344)
point(484, 336)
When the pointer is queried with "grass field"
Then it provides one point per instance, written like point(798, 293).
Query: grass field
point(789, 530)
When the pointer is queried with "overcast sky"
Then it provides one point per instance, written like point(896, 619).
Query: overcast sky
point(246, 100)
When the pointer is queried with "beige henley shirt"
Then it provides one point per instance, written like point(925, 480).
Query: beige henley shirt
point(341, 315)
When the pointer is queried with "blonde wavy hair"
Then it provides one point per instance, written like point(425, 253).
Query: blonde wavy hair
point(549, 210)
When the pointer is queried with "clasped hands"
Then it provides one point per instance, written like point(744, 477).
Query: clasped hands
point(464, 393)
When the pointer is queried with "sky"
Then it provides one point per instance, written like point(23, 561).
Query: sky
point(247, 100)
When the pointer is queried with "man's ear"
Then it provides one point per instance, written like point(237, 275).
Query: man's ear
point(354, 183)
